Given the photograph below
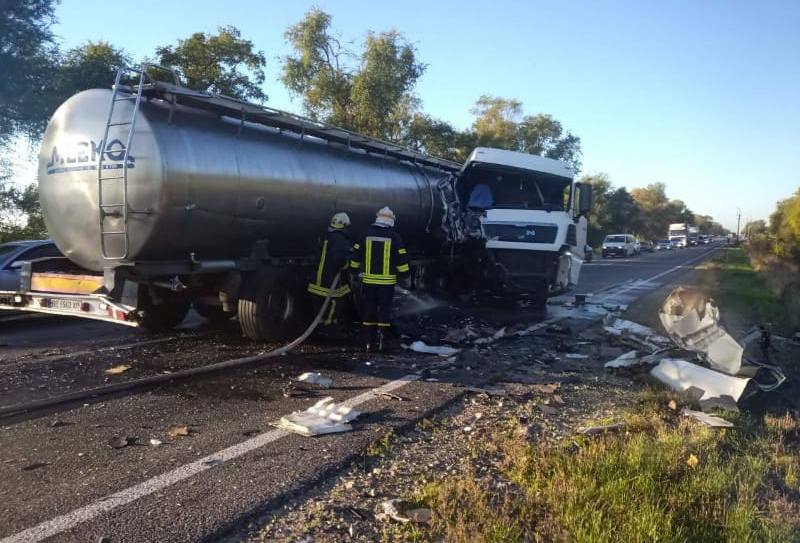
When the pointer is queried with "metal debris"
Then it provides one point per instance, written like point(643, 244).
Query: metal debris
point(324, 417)
point(422, 347)
point(709, 420)
point(316, 378)
point(178, 431)
point(692, 321)
point(681, 375)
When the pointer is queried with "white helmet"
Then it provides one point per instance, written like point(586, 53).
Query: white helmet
point(385, 217)
point(340, 220)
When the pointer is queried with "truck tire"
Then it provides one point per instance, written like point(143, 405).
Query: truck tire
point(165, 315)
point(273, 307)
point(214, 314)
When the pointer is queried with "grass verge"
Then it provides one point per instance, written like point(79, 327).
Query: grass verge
point(664, 479)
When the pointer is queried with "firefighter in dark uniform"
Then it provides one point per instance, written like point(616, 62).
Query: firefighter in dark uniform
point(333, 259)
point(379, 258)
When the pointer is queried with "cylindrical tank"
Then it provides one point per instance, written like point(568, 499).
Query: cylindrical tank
point(197, 185)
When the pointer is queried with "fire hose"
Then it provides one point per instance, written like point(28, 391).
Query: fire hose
point(165, 378)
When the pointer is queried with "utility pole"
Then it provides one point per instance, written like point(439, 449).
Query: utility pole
point(738, 218)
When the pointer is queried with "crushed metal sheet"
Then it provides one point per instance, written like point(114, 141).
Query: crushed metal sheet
point(682, 375)
point(316, 378)
point(628, 329)
point(116, 370)
point(422, 347)
point(709, 420)
point(692, 321)
point(633, 359)
point(324, 417)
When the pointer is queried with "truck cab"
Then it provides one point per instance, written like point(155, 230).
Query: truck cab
point(528, 215)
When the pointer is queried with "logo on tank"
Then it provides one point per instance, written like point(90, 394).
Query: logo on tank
point(84, 155)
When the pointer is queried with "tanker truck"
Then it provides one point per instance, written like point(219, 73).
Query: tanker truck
point(161, 198)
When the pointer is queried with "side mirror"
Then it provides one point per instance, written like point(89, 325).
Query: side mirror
point(584, 199)
point(16, 265)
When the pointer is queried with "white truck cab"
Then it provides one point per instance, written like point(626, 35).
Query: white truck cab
point(529, 215)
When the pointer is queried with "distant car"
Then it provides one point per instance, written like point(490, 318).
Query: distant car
point(664, 245)
point(646, 246)
point(14, 253)
point(588, 253)
point(619, 245)
point(677, 243)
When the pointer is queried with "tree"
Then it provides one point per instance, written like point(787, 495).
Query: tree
point(498, 124)
point(91, 65)
point(623, 212)
point(543, 135)
point(658, 211)
point(495, 122)
point(223, 63)
point(371, 93)
point(27, 57)
point(600, 216)
point(435, 137)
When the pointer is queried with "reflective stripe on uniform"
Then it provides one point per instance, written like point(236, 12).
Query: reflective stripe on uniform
point(322, 262)
point(373, 279)
point(401, 251)
point(323, 291)
point(403, 268)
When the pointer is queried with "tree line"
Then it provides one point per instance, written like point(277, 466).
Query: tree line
point(369, 88)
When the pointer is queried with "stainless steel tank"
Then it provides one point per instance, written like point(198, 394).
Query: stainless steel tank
point(195, 185)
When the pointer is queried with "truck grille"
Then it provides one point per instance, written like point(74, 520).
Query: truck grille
point(533, 233)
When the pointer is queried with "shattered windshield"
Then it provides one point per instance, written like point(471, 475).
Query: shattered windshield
point(517, 191)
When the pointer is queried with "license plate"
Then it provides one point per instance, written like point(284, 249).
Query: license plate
point(71, 305)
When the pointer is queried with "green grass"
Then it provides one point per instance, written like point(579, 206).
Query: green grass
point(632, 487)
point(738, 288)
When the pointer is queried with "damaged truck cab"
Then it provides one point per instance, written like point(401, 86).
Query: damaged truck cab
point(529, 218)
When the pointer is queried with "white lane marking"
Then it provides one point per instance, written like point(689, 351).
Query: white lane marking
point(68, 521)
point(640, 282)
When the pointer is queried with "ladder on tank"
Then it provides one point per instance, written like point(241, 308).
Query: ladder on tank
point(105, 175)
point(120, 209)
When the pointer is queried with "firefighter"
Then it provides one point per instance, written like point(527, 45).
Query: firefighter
point(333, 259)
point(379, 258)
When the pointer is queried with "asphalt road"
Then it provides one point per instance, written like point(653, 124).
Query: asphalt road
point(62, 478)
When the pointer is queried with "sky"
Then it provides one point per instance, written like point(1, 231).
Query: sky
point(701, 95)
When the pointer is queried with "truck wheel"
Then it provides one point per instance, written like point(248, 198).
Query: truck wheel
point(273, 307)
point(214, 314)
point(164, 313)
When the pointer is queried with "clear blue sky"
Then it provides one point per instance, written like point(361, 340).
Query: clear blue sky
point(702, 95)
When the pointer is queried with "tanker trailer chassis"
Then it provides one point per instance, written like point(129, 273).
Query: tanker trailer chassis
point(190, 198)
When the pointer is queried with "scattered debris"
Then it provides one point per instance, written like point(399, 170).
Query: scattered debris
point(709, 420)
point(316, 378)
point(721, 403)
point(116, 370)
point(692, 321)
point(422, 347)
point(576, 356)
point(34, 465)
point(680, 375)
point(392, 396)
point(692, 461)
point(324, 417)
point(548, 388)
point(488, 391)
point(547, 410)
point(634, 332)
point(673, 405)
point(400, 511)
point(603, 429)
point(627, 360)
point(460, 335)
point(57, 423)
point(155, 442)
point(117, 442)
point(178, 431)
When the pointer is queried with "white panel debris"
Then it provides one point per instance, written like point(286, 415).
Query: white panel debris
point(642, 334)
point(627, 360)
point(708, 420)
point(692, 321)
point(422, 347)
point(315, 378)
point(680, 375)
point(324, 417)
